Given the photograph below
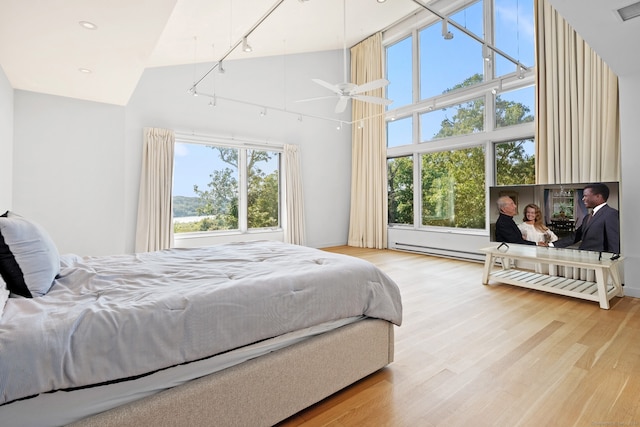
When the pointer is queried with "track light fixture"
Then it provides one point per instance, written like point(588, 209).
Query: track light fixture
point(486, 53)
point(498, 89)
point(448, 35)
point(245, 45)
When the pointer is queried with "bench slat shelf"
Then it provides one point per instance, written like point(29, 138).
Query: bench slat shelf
point(602, 290)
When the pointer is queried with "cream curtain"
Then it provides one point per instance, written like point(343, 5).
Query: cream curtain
point(368, 217)
point(294, 226)
point(154, 230)
point(578, 133)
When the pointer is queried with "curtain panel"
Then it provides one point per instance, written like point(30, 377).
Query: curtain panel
point(578, 131)
point(294, 227)
point(154, 230)
point(368, 214)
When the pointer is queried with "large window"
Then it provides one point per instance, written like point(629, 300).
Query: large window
point(453, 188)
point(474, 111)
point(400, 190)
point(220, 188)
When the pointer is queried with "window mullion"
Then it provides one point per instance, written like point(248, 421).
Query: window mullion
point(243, 191)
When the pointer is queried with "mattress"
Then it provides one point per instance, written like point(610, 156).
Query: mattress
point(118, 318)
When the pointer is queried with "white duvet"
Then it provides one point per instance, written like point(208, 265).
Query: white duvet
point(114, 318)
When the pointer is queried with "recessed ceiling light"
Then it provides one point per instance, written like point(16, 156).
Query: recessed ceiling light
point(85, 70)
point(88, 25)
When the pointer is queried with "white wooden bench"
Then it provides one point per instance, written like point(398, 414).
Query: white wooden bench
point(601, 289)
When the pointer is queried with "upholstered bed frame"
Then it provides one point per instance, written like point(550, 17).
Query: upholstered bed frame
point(268, 389)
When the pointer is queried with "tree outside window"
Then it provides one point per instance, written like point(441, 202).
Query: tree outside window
point(207, 190)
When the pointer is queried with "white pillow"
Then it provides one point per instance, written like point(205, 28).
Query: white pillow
point(4, 295)
point(29, 260)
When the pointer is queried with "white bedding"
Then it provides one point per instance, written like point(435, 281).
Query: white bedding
point(112, 318)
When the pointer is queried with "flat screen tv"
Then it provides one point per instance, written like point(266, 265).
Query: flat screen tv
point(561, 204)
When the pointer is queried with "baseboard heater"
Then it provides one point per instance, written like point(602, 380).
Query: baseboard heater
point(447, 253)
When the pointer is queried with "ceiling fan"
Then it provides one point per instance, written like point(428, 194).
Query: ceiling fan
point(346, 91)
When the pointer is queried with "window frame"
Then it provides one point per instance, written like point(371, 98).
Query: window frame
point(242, 145)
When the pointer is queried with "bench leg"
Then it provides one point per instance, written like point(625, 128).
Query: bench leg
point(601, 283)
point(488, 264)
point(615, 277)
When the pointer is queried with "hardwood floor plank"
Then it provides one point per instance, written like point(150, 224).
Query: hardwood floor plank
point(469, 354)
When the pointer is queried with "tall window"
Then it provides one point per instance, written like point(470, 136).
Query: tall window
point(220, 188)
point(474, 110)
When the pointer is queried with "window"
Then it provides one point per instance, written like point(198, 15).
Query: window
point(475, 111)
point(400, 190)
point(459, 119)
point(219, 188)
point(400, 132)
point(453, 193)
point(515, 107)
point(515, 162)
point(514, 34)
point(441, 71)
point(400, 91)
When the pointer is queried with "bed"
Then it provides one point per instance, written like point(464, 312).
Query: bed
point(237, 334)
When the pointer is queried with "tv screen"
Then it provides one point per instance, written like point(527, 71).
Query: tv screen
point(561, 204)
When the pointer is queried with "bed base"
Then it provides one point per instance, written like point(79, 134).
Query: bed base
point(265, 390)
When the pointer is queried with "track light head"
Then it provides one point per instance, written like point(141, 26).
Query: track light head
point(448, 35)
point(245, 45)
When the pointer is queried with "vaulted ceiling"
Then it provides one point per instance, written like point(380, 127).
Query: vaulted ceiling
point(43, 48)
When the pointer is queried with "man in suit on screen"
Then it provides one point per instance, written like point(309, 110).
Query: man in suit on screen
point(599, 231)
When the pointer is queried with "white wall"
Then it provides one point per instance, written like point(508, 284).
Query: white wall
point(6, 143)
point(77, 163)
point(161, 100)
point(69, 170)
point(629, 89)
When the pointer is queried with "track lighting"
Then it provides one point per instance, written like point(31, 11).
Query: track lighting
point(486, 53)
point(263, 112)
point(498, 89)
point(245, 45)
point(448, 35)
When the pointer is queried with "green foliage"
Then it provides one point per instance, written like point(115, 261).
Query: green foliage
point(218, 202)
point(513, 165)
point(400, 189)
point(453, 188)
point(453, 182)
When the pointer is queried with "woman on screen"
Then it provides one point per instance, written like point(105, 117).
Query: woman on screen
point(533, 229)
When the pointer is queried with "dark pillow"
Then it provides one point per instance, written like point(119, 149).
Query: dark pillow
point(29, 260)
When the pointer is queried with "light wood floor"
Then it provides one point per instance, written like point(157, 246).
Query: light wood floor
point(497, 355)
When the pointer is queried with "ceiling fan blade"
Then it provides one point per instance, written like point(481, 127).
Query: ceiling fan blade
point(372, 99)
point(316, 98)
point(376, 84)
point(342, 104)
point(329, 86)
